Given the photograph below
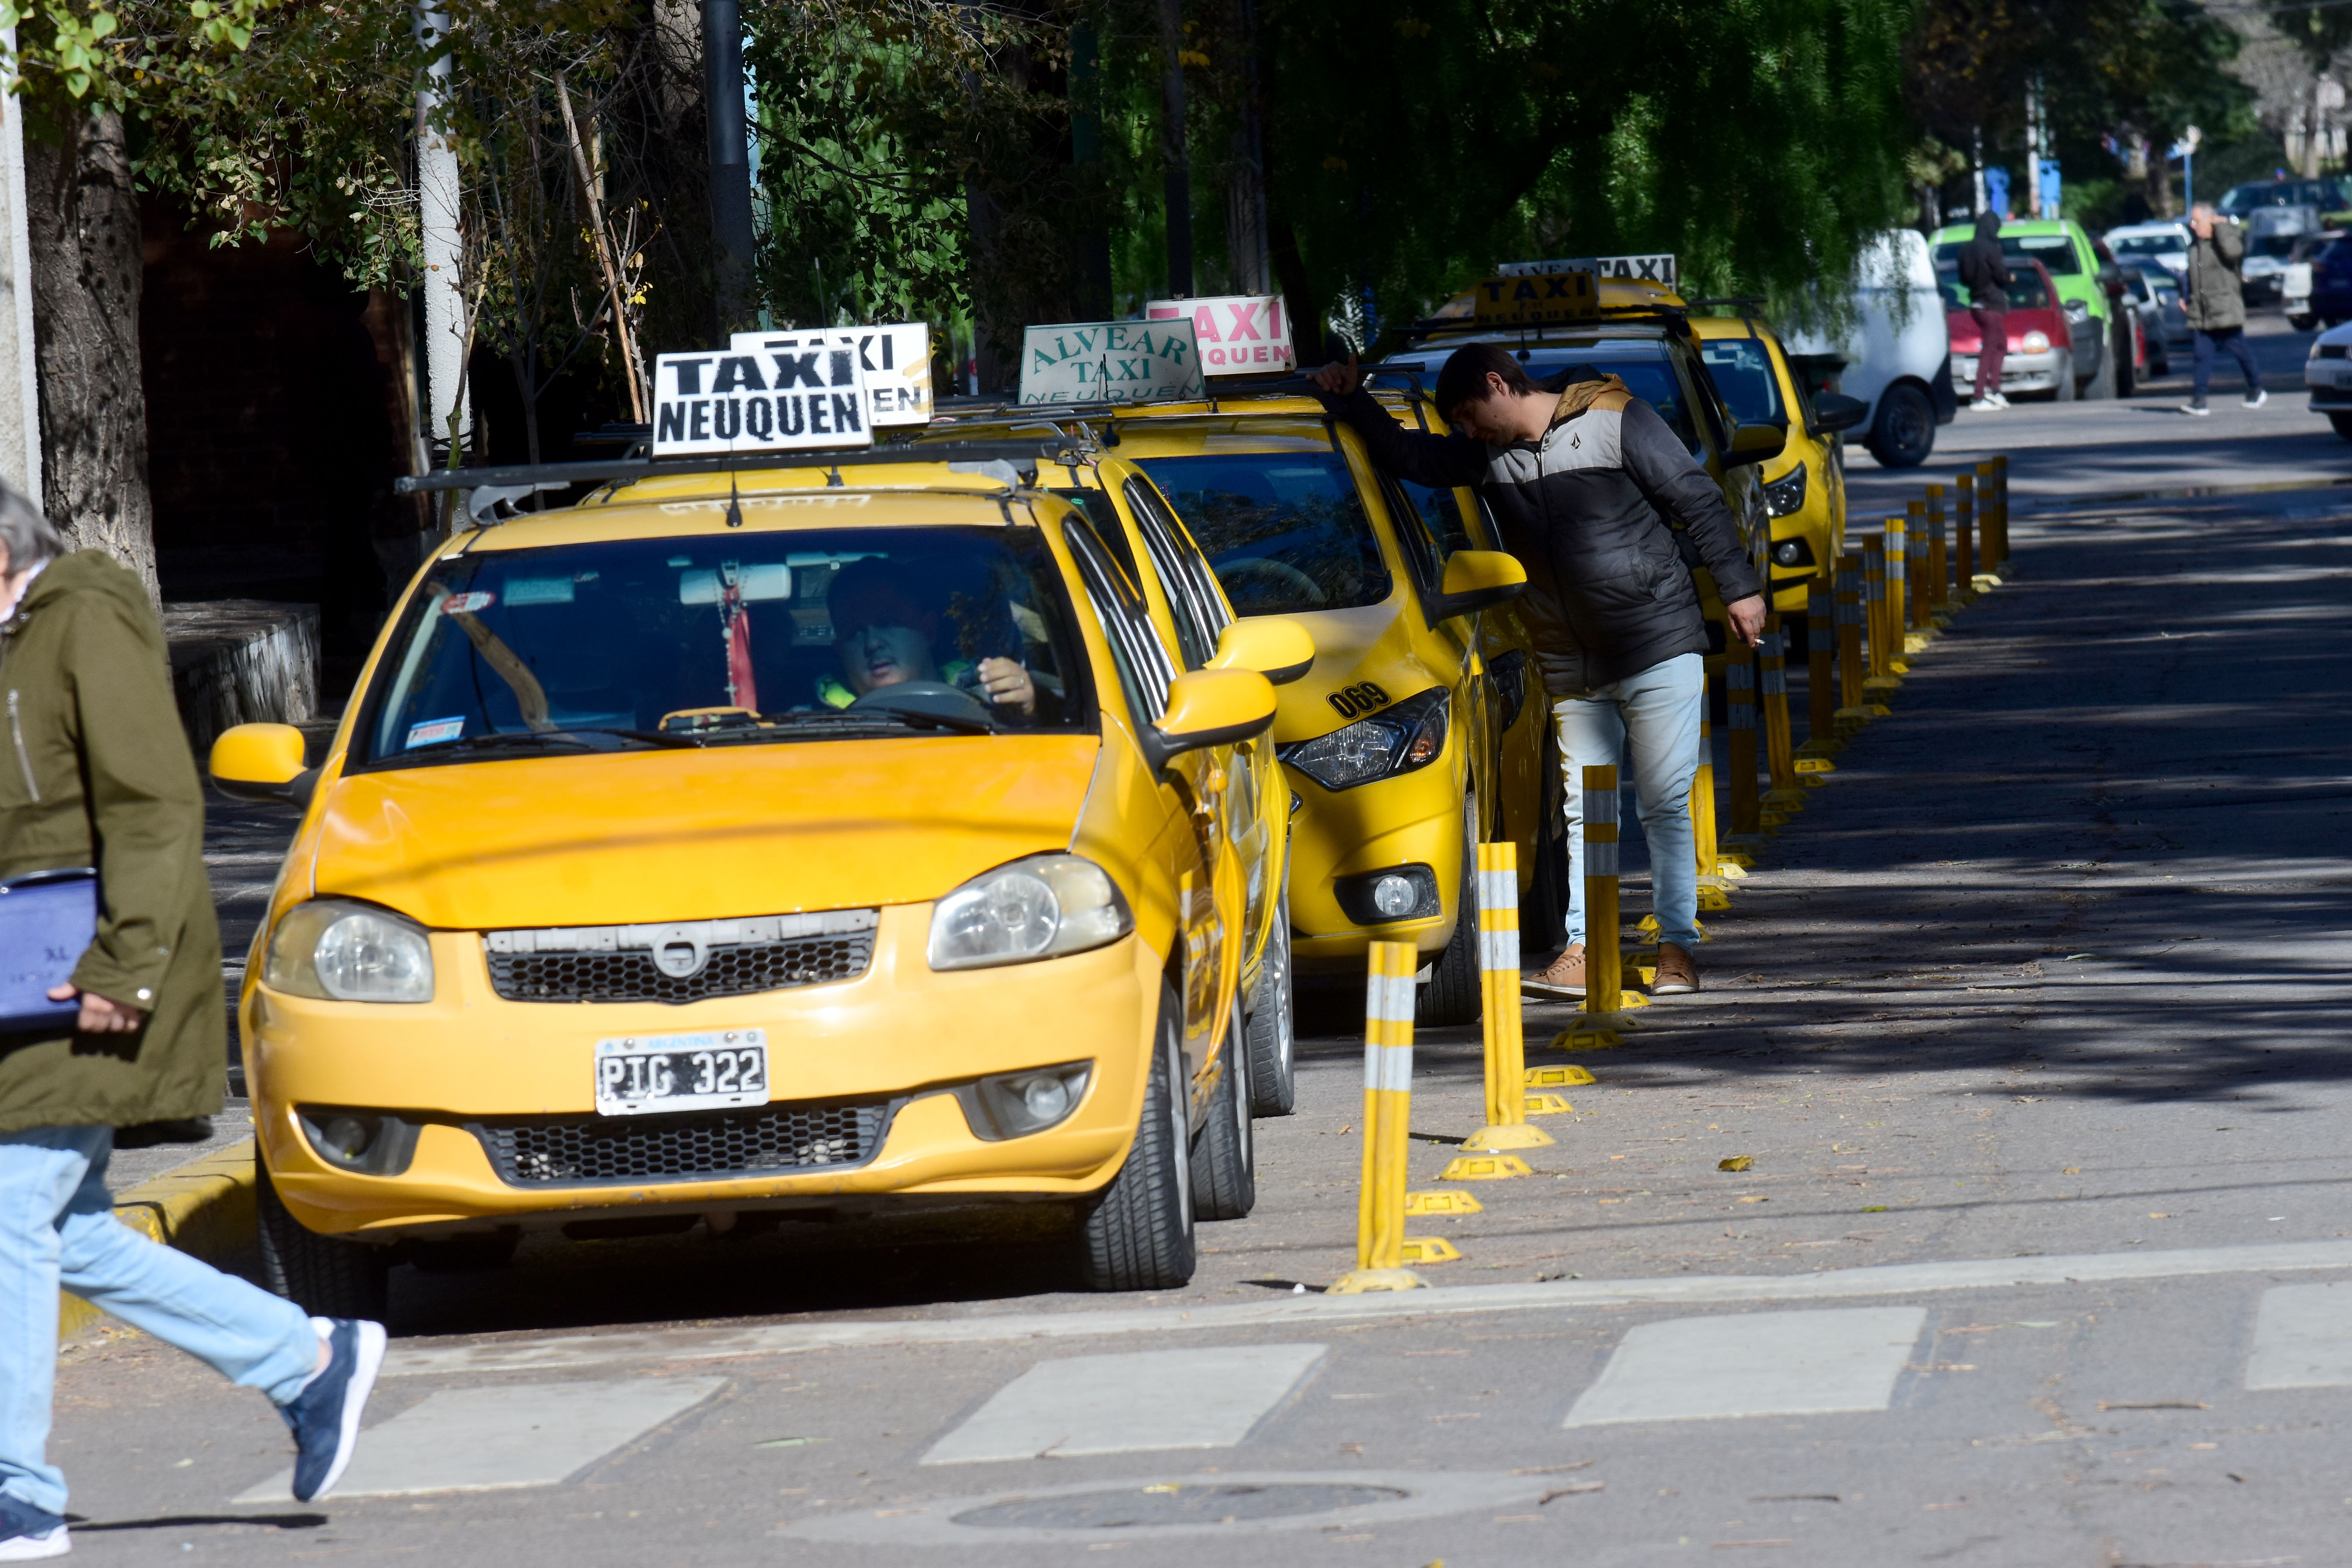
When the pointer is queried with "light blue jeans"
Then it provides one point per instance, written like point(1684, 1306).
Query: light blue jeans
point(1647, 726)
point(58, 1226)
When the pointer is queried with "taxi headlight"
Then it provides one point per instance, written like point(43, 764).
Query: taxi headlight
point(1043, 907)
point(1785, 494)
point(2034, 342)
point(333, 950)
point(1407, 736)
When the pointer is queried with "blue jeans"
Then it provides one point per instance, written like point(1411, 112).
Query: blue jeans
point(2234, 339)
point(56, 1225)
point(1648, 725)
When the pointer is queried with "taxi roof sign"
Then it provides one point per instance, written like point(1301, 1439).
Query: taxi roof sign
point(1658, 267)
point(1536, 300)
point(775, 400)
point(894, 361)
point(1239, 334)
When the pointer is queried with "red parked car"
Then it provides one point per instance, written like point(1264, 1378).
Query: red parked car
point(2041, 358)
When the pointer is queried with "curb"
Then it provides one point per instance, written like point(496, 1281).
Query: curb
point(204, 1208)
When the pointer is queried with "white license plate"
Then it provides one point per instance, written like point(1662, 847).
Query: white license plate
point(708, 1071)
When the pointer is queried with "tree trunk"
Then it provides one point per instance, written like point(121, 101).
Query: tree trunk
point(87, 264)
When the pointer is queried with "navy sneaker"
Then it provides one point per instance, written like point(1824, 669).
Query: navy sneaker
point(325, 1416)
point(28, 1533)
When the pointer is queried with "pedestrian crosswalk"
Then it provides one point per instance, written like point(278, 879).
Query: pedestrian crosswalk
point(1695, 1368)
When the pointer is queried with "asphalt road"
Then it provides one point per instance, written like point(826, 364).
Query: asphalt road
point(2032, 1029)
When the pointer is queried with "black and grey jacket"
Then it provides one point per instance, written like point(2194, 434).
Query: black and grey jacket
point(1608, 593)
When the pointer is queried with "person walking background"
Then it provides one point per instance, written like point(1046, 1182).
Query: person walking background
point(1984, 272)
point(2213, 297)
point(1582, 480)
point(100, 776)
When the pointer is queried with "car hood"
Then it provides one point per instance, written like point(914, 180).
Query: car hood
point(649, 837)
point(1354, 649)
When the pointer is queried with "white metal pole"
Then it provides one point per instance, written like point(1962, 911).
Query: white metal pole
point(20, 392)
point(445, 300)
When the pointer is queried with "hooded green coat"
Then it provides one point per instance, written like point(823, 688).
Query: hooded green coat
point(95, 770)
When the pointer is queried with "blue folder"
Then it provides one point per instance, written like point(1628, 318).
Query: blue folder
point(48, 920)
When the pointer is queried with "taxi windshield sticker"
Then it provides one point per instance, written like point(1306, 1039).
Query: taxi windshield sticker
point(1110, 362)
point(433, 732)
point(1239, 334)
point(894, 360)
point(772, 400)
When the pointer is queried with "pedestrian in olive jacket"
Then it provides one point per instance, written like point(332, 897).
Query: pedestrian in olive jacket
point(97, 774)
point(2213, 297)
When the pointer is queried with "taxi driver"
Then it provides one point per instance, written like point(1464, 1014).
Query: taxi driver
point(886, 628)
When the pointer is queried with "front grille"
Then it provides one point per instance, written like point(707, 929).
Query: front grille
point(709, 1145)
point(678, 964)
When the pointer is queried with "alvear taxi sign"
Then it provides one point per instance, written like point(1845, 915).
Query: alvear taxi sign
point(1535, 302)
point(777, 400)
point(1110, 362)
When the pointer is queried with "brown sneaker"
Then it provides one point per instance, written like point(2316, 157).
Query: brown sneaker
point(1677, 971)
point(1565, 978)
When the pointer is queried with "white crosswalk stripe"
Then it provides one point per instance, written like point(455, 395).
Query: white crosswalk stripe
point(1758, 1364)
point(2302, 1337)
point(482, 1439)
point(1129, 1403)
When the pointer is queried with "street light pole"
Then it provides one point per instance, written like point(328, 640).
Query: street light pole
point(731, 168)
point(449, 411)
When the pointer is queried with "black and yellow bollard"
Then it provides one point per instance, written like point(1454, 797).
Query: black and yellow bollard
point(1604, 922)
point(1786, 796)
point(1940, 559)
point(1388, 1103)
point(1964, 517)
point(1820, 677)
point(1849, 622)
point(1915, 571)
point(1739, 708)
point(1508, 1103)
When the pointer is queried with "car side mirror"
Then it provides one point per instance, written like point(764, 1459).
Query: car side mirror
point(1753, 443)
point(1209, 708)
point(263, 762)
point(1834, 411)
point(1475, 580)
point(1277, 649)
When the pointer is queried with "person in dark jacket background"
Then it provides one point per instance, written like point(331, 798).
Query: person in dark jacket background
point(1581, 482)
point(1984, 273)
point(2213, 295)
point(97, 774)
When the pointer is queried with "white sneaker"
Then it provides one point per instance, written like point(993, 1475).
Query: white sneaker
point(1983, 406)
point(29, 1535)
point(2258, 398)
point(1998, 400)
point(2199, 409)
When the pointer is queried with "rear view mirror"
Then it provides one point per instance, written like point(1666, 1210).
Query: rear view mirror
point(1755, 442)
point(1209, 708)
point(1277, 649)
point(263, 762)
point(1834, 411)
point(1475, 580)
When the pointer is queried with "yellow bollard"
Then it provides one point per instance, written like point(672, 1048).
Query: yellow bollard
point(1821, 679)
point(1849, 635)
point(1873, 604)
point(1940, 564)
point(1780, 744)
point(1508, 1100)
point(1603, 924)
point(1964, 514)
point(1915, 566)
point(1739, 691)
point(1388, 1102)
point(1702, 797)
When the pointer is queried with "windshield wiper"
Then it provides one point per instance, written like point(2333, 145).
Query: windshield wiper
point(591, 739)
point(774, 726)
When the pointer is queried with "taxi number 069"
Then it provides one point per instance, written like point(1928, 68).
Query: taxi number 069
point(705, 1070)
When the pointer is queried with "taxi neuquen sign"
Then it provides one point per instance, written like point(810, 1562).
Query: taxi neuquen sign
point(1536, 300)
point(1239, 334)
point(769, 401)
point(894, 360)
point(1658, 269)
point(1109, 361)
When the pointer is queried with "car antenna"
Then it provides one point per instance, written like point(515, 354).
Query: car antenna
point(734, 502)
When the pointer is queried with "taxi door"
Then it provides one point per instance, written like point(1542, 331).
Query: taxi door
point(1201, 858)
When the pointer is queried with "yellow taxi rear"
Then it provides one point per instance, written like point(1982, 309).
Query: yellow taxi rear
point(1804, 485)
point(696, 856)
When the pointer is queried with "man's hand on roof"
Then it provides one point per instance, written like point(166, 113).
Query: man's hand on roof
point(1338, 379)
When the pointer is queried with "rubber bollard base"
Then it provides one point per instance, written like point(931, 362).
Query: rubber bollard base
point(1439, 1203)
point(1815, 764)
point(1486, 1167)
point(1586, 1040)
point(1431, 1250)
point(1361, 1281)
point(1557, 1077)
point(1545, 1105)
point(1714, 901)
point(1496, 1139)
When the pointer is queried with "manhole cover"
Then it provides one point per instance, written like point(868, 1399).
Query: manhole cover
point(1217, 1502)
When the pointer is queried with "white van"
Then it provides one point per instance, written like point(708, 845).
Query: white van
point(1896, 356)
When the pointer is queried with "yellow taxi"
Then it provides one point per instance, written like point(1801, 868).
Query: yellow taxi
point(1803, 485)
point(736, 844)
point(1409, 741)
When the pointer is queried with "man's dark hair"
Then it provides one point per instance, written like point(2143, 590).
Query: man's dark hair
point(1464, 379)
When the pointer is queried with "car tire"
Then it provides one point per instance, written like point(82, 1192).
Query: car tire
point(2101, 388)
point(1224, 1160)
point(1137, 1233)
point(2303, 323)
point(2064, 391)
point(1904, 433)
point(2126, 373)
point(463, 1254)
point(2343, 423)
point(1273, 1035)
point(1452, 991)
point(325, 1277)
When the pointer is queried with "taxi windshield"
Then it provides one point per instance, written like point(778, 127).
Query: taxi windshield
point(1643, 366)
point(1743, 373)
point(791, 635)
point(2054, 251)
point(1285, 532)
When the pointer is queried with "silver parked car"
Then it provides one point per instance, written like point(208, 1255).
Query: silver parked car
point(2155, 296)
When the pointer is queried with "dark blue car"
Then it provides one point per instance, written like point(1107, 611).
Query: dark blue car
point(2331, 282)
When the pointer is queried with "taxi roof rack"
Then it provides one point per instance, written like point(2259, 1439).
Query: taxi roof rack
point(1289, 385)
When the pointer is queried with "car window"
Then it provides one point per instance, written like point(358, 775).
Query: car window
point(1196, 622)
point(2025, 288)
point(766, 628)
point(1285, 532)
point(1742, 370)
point(1644, 370)
point(1109, 530)
point(1144, 672)
point(2150, 245)
point(1439, 513)
point(2054, 251)
point(2271, 244)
